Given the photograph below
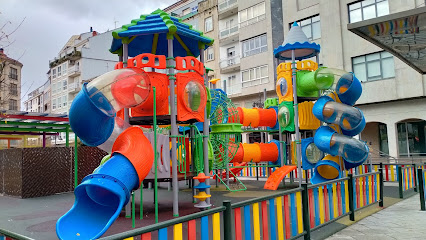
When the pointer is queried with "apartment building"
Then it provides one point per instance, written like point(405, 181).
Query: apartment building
point(35, 102)
point(203, 16)
point(10, 82)
point(248, 32)
point(393, 99)
point(83, 57)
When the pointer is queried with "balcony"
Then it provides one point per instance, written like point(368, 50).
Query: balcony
point(228, 35)
point(231, 64)
point(235, 90)
point(74, 71)
point(74, 87)
point(227, 8)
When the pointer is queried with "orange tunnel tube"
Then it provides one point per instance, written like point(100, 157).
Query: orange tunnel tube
point(257, 117)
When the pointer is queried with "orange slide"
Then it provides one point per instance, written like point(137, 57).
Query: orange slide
point(277, 176)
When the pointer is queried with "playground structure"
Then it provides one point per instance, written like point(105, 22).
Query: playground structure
point(163, 85)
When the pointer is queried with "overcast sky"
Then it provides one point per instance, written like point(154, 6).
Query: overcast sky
point(49, 24)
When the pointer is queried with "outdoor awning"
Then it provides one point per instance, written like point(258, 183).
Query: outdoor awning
point(402, 34)
point(16, 122)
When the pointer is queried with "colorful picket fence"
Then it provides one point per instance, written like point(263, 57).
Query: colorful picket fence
point(407, 176)
point(274, 217)
point(203, 225)
point(283, 215)
point(328, 202)
point(366, 190)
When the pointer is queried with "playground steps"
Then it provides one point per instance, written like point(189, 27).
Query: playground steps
point(277, 176)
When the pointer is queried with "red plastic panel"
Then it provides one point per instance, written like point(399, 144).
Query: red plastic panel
point(119, 65)
point(189, 63)
point(186, 111)
point(147, 60)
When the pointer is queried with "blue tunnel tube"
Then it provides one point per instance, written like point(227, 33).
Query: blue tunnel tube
point(350, 119)
point(99, 200)
point(353, 151)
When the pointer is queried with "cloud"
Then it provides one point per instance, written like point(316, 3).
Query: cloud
point(50, 23)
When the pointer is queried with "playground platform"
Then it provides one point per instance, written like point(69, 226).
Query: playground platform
point(403, 220)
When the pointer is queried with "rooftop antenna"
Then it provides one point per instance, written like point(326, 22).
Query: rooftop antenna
point(115, 23)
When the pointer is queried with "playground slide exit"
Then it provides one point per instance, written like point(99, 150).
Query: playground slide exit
point(101, 196)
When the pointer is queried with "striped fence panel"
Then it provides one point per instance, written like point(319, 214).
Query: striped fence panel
point(279, 218)
point(206, 228)
point(5, 238)
point(328, 202)
point(366, 190)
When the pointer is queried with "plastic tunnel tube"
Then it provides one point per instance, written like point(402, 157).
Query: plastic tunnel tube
point(251, 152)
point(328, 168)
point(309, 83)
point(93, 110)
point(251, 117)
point(348, 89)
point(267, 117)
point(350, 119)
point(101, 196)
point(353, 151)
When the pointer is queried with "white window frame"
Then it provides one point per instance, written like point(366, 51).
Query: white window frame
point(53, 104)
point(59, 71)
point(208, 24)
point(250, 52)
point(210, 54)
point(255, 17)
point(360, 5)
point(366, 62)
point(252, 81)
point(313, 19)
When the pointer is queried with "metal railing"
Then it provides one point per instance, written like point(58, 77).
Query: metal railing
point(223, 33)
point(223, 5)
point(228, 62)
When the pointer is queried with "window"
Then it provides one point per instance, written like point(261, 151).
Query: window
point(53, 104)
point(64, 100)
point(255, 76)
point(209, 54)
point(208, 24)
point(412, 138)
point(383, 138)
point(255, 45)
point(64, 68)
point(59, 102)
point(13, 104)
point(186, 11)
point(13, 89)
point(252, 14)
point(311, 27)
point(64, 85)
point(54, 73)
point(59, 71)
point(13, 73)
point(367, 9)
point(373, 66)
point(233, 85)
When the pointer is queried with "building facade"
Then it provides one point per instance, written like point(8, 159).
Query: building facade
point(248, 32)
point(82, 58)
point(10, 83)
point(394, 94)
point(35, 102)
